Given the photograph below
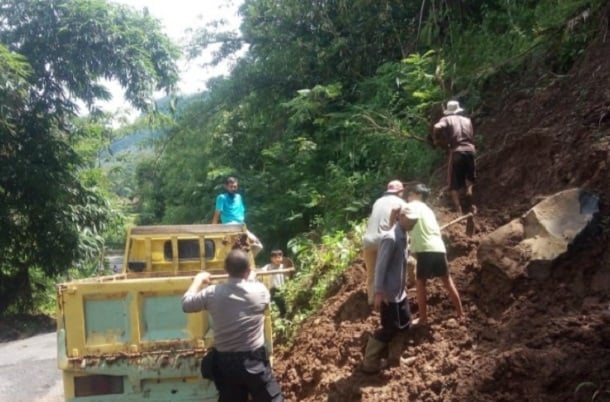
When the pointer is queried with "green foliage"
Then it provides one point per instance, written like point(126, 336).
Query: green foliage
point(43, 293)
point(14, 74)
point(321, 264)
point(54, 204)
point(509, 37)
point(333, 99)
point(71, 44)
point(317, 160)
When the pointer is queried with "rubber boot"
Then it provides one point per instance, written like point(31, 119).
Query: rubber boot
point(371, 363)
point(395, 350)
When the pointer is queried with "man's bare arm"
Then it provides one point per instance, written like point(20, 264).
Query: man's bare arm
point(192, 299)
point(202, 278)
point(215, 217)
point(436, 136)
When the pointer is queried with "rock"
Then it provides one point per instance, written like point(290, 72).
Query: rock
point(406, 361)
point(606, 315)
point(527, 246)
point(436, 386)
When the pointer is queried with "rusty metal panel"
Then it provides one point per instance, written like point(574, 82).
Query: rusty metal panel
point(161, 318)
point(107, 320)
point(128, 316)
point(186, 229)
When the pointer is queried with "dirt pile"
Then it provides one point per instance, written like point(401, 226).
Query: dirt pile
point(536, 344)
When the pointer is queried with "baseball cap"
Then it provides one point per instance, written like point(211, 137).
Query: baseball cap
point(395, 186)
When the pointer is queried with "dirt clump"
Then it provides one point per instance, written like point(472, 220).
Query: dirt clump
point(532, 339)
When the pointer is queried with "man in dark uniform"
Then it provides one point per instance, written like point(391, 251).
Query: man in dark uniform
point(455, 132)
point(237, 307)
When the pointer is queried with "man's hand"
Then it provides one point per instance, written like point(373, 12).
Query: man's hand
point(202, 278)
point(379, 298)
point(216, 217)
point(252, 275)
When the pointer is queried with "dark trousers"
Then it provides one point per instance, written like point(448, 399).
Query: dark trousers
point(239, 374)
point(394, 317)
point(279, 301)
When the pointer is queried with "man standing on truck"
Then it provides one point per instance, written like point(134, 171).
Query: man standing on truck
point(230, 208)
point(455, 133)
point(237, 307)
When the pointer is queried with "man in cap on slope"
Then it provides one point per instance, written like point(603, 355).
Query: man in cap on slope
point(455, 133)
point(381, 220)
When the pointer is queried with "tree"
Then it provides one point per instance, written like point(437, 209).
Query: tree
point(305, 120)
point(332, 99)
point(55, 52)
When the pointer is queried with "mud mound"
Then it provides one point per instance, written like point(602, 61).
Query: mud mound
point(539, 145)
point(546, 336)
point(538, 348)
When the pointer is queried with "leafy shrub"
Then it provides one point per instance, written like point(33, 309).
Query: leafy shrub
point(321, 262)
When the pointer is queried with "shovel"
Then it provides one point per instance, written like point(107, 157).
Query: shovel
point(469, 223)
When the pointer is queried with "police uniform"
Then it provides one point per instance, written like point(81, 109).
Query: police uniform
point(241, 365)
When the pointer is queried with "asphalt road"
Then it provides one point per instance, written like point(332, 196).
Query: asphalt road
point(28, 370)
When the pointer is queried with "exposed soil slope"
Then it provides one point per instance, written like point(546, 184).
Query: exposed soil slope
point(542, 340)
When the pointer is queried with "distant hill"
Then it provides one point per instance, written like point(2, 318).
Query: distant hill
point(137, 141)
point(141, 139)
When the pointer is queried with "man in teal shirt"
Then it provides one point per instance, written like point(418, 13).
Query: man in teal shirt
point(230, 209)
point(229, 205)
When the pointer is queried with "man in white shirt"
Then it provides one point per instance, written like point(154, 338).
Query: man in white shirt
point(277, 280)
point(379, 222)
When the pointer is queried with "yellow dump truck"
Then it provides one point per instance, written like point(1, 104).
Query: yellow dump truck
point(124, 337)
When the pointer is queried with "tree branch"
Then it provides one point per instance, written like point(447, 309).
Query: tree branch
point(390, 128)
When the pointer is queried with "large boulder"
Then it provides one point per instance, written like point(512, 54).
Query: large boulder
point(527, 246)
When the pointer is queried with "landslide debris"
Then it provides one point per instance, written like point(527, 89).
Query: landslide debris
point(536, 340)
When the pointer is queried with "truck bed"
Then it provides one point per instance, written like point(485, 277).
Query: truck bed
point(129, 333)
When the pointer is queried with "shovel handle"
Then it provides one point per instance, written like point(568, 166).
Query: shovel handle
point(456, 220)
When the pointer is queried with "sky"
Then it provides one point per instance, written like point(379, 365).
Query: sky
point(176, 17)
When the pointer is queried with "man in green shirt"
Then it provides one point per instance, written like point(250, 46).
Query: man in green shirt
point(430, 252)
